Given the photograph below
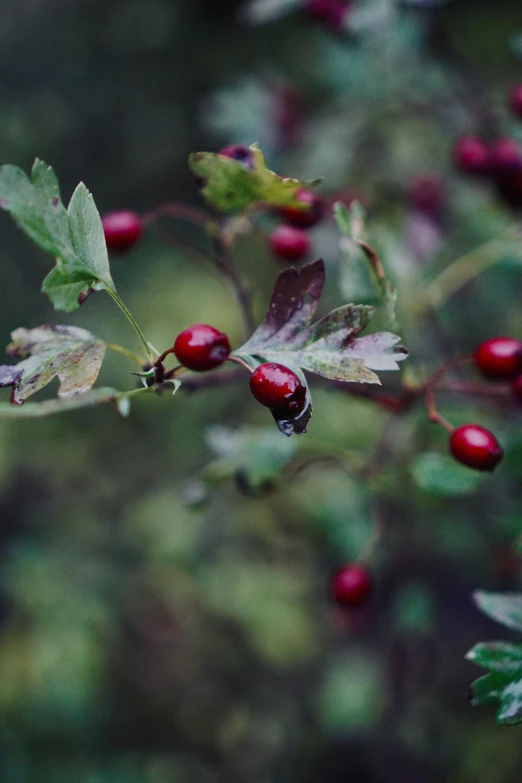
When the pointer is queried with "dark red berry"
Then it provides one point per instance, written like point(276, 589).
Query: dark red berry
point(475, 447)
point(122, 229)
point(319, 9)
point(509, 189)
point(472, 156)
point(351, 585)
point(505, 158)
point(289, 243)
point(304, 218)
point(240, 154)
point(279, 388)
point(517, 388)
point(333, 12)
point(515, 99)
point(499, 357)
point(201, 347)
point(427, 194)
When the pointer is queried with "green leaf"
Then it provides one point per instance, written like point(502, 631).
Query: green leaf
point(504, 608)
point(439, 474)
point(67, 352)
point(351, 224)
point(256, 455)
point(510, 711)
point(488, 689)
point(74, 236)
point(230, 185)
point(500, 657)
point(328, 347)
point(37, 410)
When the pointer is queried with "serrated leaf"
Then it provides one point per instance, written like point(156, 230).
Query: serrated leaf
point(74, 237)
point(500, 657)
point(329, 347)
point(67, 352)
point(351, 223)
point(504, 608)
point(230, 186)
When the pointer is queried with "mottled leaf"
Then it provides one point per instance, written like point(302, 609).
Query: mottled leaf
point(74, 237)
point(329, 347)
point(229, 185)
point(71, 354)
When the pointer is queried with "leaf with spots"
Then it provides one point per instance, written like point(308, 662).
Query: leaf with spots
point(230, 185)
point(73, 236)
point(68, 353)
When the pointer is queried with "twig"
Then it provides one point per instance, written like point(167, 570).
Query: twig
point(433, 414)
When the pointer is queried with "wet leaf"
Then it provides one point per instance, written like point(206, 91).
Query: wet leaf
point(230, 186)
point(502, 659)
point(71, 354)
point(74, 237)
point(329, 347)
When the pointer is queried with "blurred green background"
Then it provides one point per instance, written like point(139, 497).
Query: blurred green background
point(146, 637)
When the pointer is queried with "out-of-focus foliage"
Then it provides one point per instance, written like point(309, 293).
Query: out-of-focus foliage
point(148, 638)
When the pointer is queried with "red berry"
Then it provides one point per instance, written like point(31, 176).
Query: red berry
point(304, 218)
point(517, 388)
point(475, 447)
point(506, 158)
point(278, 388)
point(122, 229)
point(515, 99)
point(289, 243)
point(201, 347)
point(471, 156)
point(319, 9)
point(427, 194)
point(351, 585)
point(240, 154)
point(500, 357)
point(509, 189)
point(333, 12)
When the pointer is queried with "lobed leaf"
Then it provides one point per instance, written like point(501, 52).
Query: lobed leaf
point(74, 237)
point(230, 186)
point(329, 347)
point(69, 353)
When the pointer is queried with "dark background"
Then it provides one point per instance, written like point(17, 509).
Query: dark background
point(143, 640)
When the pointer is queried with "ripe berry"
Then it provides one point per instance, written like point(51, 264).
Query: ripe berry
point(351, 585)
point(333, 12)
point(289, 243)
point(319, 9)
point(509, 189)
point(201, 347)
point(122, 229)
point(475, 447)
point(500, 357)
point(304, 218)
point(515, 100)
point(517, 388)
point(278, 388)
point(471, 156)
point(427, 194)
point(505, 157)
point(240, 154)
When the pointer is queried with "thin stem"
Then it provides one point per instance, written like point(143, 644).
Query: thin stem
point(238, 360)
point(123, 307)
point(135, 357)
point(226, 266)
point(433, 414)
point(479, 389)
point(466, 268)
point(175, 210)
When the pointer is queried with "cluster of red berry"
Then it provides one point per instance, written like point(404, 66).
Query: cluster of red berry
point(499, 358)
point(500, 160)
